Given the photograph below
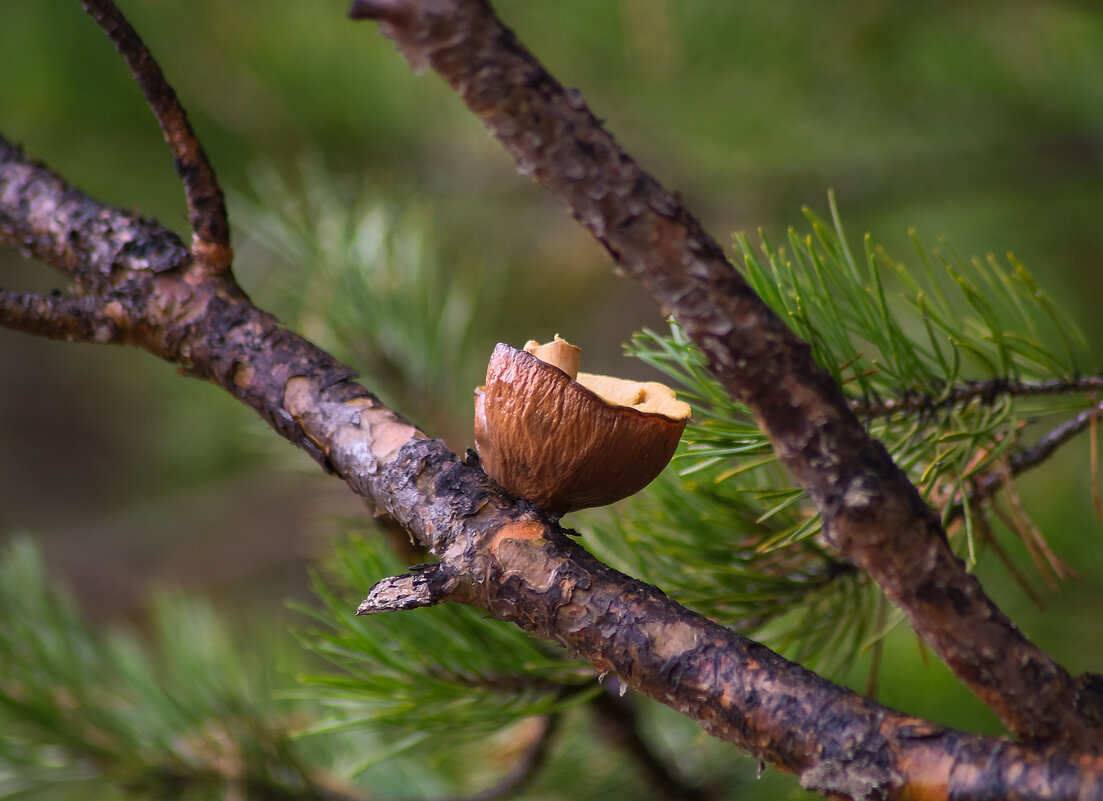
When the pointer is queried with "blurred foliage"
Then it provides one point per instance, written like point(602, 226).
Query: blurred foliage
point(378, 294)
point(181, 710)
point(980, 122)
point(445, 669)
point(79, 706)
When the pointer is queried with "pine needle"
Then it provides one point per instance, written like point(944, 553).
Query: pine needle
point(905, 345)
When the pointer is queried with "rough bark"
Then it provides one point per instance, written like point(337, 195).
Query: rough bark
point(871, 511)
point(495, 552)
point(206, 204)
point(140, 285)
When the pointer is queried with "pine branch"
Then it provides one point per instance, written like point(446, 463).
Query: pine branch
point(206, 204)
point(78, 702)
point(82, 319)
point(509, 560)
point(727, 472)
point(500, 554)
point(445, 670)
point(985, 391)
point(871, 512)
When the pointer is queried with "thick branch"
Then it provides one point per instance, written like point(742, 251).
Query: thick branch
point(206, 204)
point(95, 245)
point(504, 557)
point(871, 511)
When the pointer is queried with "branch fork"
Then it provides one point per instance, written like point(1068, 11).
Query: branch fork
point(142, 286)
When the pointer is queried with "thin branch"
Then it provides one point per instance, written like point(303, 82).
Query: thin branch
point(1041, 450)
point(520, 567)
point(621, 716)
point(206, 204)
point(82, 319)
point(871, 511)
point(1030, 457)
point(527, 767)
point(985, 391)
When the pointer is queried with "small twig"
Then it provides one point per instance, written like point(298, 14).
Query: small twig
point(872, 513)
point(427, 585)
point(621, 716)
point(527, 767)
point(1032, 456)
point(206, 204)
point(986, 391)
point(81, 319)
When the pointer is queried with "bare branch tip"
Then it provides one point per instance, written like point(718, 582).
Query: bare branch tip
point(425, 587)
point(206, 203)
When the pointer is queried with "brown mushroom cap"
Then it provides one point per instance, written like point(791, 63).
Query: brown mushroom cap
point(545, 437)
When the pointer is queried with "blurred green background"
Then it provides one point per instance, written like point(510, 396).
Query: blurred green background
point(980, 122)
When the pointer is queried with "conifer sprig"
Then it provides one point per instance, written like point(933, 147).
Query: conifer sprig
point(102, 709)
point(952, 364)
point(446, 667)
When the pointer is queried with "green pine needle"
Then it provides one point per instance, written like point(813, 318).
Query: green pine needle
point(724, 527)
point(446, 667)
point(102, 708)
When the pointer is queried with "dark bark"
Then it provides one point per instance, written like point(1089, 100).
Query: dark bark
point(871, 511)
point(501, 554)
point(984, 391)
point(57, 317)
point(498, 553)
point(206, 204)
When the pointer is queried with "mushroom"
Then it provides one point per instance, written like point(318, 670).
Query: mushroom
point(566, 440)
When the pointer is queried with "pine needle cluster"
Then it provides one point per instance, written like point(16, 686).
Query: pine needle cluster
point(421, 673)
point(966, 370)
point(956, 366)
point(181, 712)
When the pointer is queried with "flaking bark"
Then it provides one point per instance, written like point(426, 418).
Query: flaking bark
point(502, 555)
point(495, 552)
point(871, 511)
